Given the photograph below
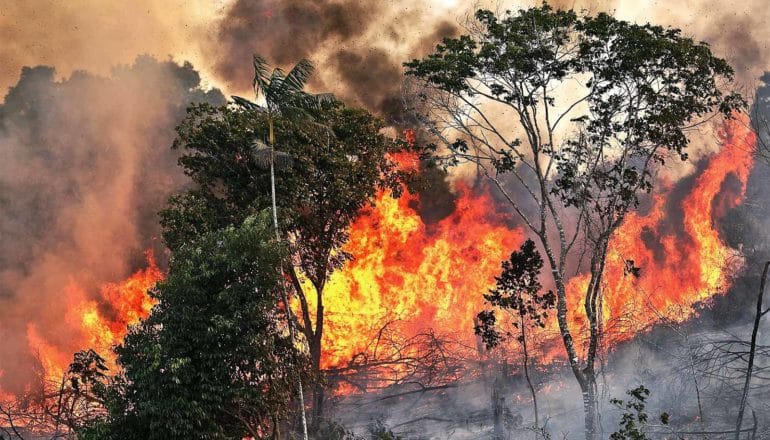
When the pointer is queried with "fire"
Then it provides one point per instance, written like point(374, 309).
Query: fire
point(432, 276)
point(417, 276)
point(96, 328)
point(414, 277)
point(681, 265)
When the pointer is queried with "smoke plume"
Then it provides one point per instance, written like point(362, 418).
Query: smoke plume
point(358, 45)
point(86, 165)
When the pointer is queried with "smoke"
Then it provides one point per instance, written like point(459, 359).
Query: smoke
point(85, 159)
point(95, 36)
point(86, 165)
point(358, 45)
point(735, 31)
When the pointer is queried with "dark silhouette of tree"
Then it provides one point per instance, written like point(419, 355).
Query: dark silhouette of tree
point(213, 360)
point(518, 291)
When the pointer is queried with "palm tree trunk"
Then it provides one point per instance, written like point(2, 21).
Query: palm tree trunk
point(300, 392)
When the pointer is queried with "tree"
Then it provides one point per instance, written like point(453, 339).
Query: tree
point(568, 115)
point(283, 96)
point(752, 350)
point(518, 290)
point(56, 408)
point(339, 163)
point(213, 360)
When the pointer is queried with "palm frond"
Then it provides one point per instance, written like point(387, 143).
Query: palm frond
point(261, 154)
point(295, 111)
point(315, 102)
point(326, 99)
point(261, 72)
point(245, 103)
point(296, 79)
point(275, 93)
point(284, 95)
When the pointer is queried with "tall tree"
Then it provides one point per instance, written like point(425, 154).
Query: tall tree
point(283, 95)
point(339, 160)
point(213, 360)
point(567, 115)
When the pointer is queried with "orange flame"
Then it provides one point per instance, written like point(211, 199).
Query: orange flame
point(422, 276)
point(96, 328)
point(680, 266)
point(431, 276)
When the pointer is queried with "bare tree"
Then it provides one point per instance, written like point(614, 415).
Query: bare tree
point(54, 409)
point(752, 351)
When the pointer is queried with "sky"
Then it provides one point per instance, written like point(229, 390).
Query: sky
point(217, 36)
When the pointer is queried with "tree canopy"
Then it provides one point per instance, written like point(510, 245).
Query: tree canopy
point(332, 177)
point(339, 162)
point(568, 115)
point(213, 360)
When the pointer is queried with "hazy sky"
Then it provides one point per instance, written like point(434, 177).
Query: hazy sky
point(215, 34)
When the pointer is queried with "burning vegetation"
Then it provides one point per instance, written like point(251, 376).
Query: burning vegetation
point(501, 250)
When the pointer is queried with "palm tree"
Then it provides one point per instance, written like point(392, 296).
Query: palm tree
point(282, 95)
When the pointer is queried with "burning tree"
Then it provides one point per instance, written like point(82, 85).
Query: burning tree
point(568, 115)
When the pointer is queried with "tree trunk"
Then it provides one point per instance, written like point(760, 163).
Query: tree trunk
point(318, 389)
point(586, 377)
point(300, 392)
point(498, 410)
point(590, 404)
point(526, 372)
point(752, 349)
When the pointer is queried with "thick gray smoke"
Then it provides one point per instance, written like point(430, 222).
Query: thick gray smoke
point(358, 45)
point(85, 165)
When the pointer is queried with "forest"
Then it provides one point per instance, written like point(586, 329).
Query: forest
point(548, 222)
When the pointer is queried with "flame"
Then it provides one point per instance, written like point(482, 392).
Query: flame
point(432, 276)
point(681, 265)
point(420, 276)
point(97, 327)
point(417, 277)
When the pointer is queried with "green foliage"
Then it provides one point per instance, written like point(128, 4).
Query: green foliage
point(283, 92)
point(331, 179)
point(637, 88)
point(213, 360)
point(634, 418)
point(87, 368)
point(518, 289)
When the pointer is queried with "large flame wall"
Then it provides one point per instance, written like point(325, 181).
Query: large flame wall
point(417, 276)
point(681, 258)
point(420, 276)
